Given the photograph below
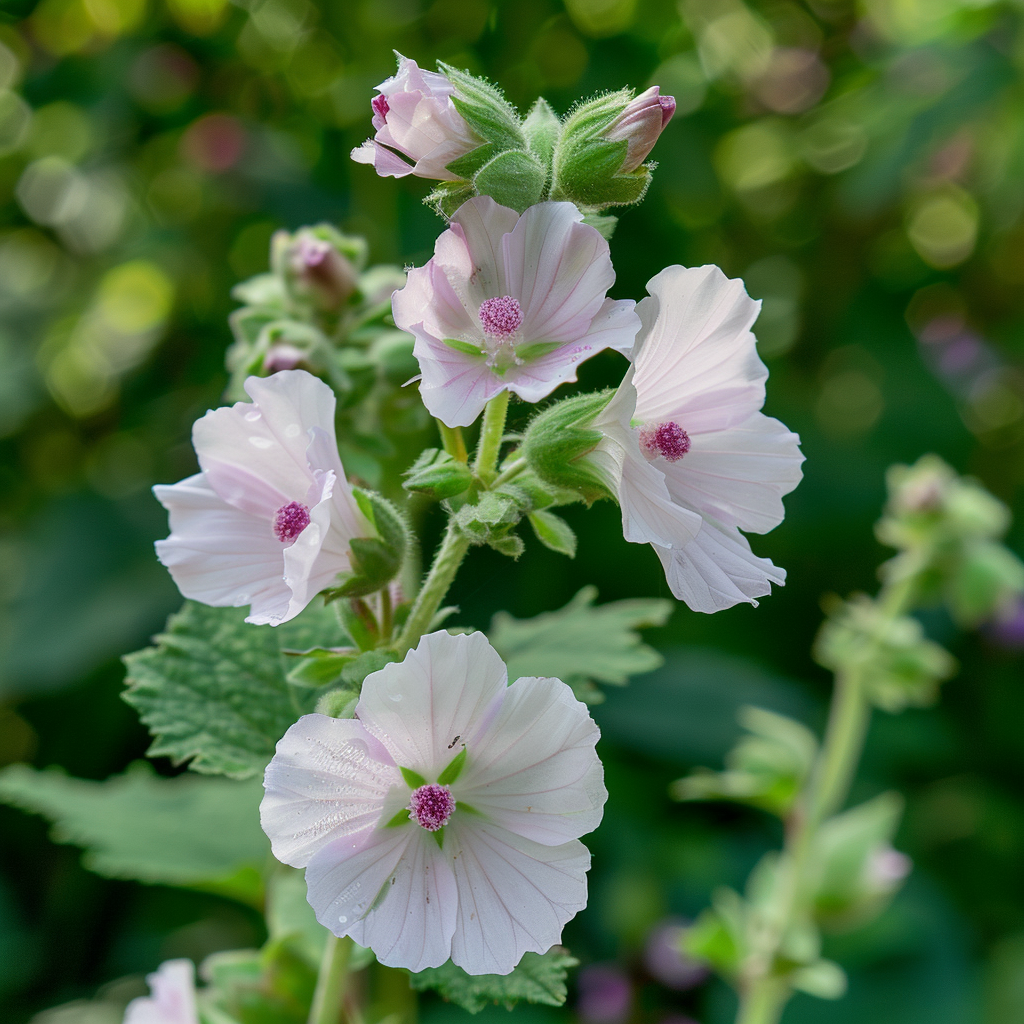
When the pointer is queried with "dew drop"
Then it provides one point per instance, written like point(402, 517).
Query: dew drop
point(261, 442)
point(253, 415)
point(342, 919)
point(292, 430)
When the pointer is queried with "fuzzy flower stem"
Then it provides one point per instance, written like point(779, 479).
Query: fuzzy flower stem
point(454, 445)
point(512, 470)
point(763, 993)
point(491, 433)
point(331, 982)
point(446, 564)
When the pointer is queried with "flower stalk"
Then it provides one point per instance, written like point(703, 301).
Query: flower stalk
point(331, 982)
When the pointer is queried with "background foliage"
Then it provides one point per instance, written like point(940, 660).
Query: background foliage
point(859, 162)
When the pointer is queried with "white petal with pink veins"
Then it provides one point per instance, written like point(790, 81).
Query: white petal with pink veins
point(328, 780)
point(420, 707)
point(412, 927)
point(696, 360)
point(478, 228)
point(381, 159)
point(455, 386)
point(515, 895)
point(546, 784)
point(738, 476)
point(718, 570)
point(219, 555)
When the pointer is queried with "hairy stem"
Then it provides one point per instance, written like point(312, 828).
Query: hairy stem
point(454, 445)
point(331, 982)
point(491, 433)
point(446, 564)
point(763, 993)
point(512, 470)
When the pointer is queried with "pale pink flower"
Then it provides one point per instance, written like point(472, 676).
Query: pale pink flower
point(641, 124)
point(173, 998)
point(269, 520)
point(418, 129)
point(510, 302)
point(686, 425)
point(420, 861)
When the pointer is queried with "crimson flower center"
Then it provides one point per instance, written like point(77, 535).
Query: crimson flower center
point(290, 520)
point(668, 440)
point(502, 317)
point(431, 806)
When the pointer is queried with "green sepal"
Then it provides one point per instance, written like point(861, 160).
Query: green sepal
point(321, 667)
point(604, 224)
point(375, 560)
point(537, 349)
point(466, 166)
point(485, 109)
point(413, 779)
point(448, 196)
point(403, 816)
point(553, 532)
point(491, 516)
point(463, 346)
point(513, 178)
point(454, 769)
point(366, 663)
point(557, 439)
point(438, 835)
point(511, 545)
point(338, 703)
point(436, 473)
point(542, 129)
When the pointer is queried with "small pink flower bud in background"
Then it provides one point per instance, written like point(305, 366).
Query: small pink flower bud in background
point(282, 356)
point(640, 124)
point(606, 995)
point(314, 269)
point(418, 130)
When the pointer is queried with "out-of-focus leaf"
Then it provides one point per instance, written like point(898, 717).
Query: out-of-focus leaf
point(189, 830)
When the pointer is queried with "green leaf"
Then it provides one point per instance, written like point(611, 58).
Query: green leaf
point(290, 915)
point(554, 532)
point(463, 346)
point(513, 178)
point(581, 642)
point(213, 689)
point(413, 779)
point(824, 979)
point(270, 986)
point(321, 667)
point(537, 979)
point(189, 831)
point(454, 769)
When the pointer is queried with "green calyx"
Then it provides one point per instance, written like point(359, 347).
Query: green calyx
point(557, 441)
point(376, 560)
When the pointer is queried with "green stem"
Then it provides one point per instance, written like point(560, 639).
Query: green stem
point(454, 445)
point(446, 564)
point(386, 614)
point(491, 433)
point(512, 470)
point(764, 1003)
point(331, 982)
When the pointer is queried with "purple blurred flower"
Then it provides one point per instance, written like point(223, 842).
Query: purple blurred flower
point(665, 960)
point(605, 994)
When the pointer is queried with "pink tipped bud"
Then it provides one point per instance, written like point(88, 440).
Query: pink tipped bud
point(314, 268)
point(640, 124)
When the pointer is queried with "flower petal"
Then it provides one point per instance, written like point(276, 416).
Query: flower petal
point(270, 437)
point(559, 269)
point(696, 360)
point(221, 556)
point(515, 895)
point(542, 782)
point(328, 780)
point(173, 999)
point(455, 385)
point(738, 476)
point(470, 251)
point(443, 690)
point(413, 925)
point(649, 516)
point(386, 163)
point(717, 570)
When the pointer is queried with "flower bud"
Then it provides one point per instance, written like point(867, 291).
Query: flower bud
point(375, 560)
point(418, 128)
point(318, 266)
point(640, 124)
point(557, 440)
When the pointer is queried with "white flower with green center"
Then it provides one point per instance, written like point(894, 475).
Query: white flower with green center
point(443, 821)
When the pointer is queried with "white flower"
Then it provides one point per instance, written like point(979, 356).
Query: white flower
point(269, 520)
point(510, 302)
point(444, 820)
point(686, 448)
point(418, 130)
point(173, 999)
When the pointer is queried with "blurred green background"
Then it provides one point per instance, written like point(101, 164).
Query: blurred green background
point(860, 163)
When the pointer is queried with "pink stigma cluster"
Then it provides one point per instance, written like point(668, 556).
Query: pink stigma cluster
point(500, 317)
point(380, 106)
point(431, 806)
point(290, 520)
point(668, 440)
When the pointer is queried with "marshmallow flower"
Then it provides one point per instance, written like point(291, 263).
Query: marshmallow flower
point(640, 125)
point(510, 303)
point(269, 520)
point(173, 998)
point(686, 426)
point(443, 821)
point(418, 129)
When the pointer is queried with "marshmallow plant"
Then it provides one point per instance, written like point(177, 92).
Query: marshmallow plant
point(436, 799)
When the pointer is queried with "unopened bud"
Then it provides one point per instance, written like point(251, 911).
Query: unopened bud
point(317, 267)
point(640, 125)
point(282, 357)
